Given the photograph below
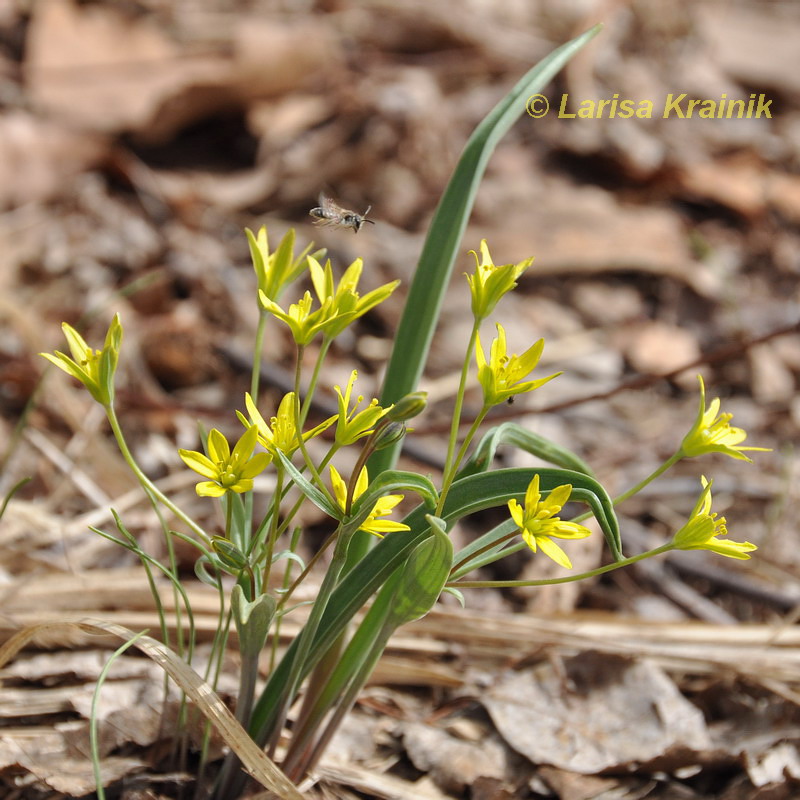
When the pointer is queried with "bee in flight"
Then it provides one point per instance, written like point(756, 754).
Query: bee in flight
point(329, 212)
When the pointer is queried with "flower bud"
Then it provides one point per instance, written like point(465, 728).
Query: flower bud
point(408, 407)
point(230, 556)
point(423, 575)
point(388, 434)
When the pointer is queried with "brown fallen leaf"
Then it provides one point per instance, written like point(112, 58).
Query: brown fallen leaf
point(757, 48)
point(95, 66)
point(453, 763)
point(252, 757)
point(587, 231)
point(656, 347)
point(608, 712)
point(39, 158)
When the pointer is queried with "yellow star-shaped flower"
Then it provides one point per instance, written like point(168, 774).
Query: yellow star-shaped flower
point(347, 304)
point(281, 432)
point(226, 471)
point(713, 433)
point(490, 282)
point(372, 524)
point(539, 523)
point(93, 368)
point(351, 424)
point(704, 530)
point(502, 375)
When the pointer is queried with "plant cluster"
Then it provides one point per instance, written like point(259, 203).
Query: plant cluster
point(380, 572)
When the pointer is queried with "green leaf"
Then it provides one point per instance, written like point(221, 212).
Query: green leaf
point(484, 549)
point(252, 620)
point(487, 490)
point(425, 297)
point(311, 491)
point(394, 481)
point(423, 576)
point(510, 433)
point(407, 362)
point(350, 595)
point(466, 496)
point(495, 488)
point(11, 492)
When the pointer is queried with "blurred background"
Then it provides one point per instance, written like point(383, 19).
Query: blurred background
point(138, 139)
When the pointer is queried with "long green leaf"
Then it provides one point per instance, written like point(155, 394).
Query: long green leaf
point(432, 277)
point(466, 496)
point(487, 548)
point(488, 490)
point(407, 362)
point(511, 433)
point(309, 490)
point(11, 492)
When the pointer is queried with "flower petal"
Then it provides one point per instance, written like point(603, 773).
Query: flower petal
point(200, 463)
point(552, 550)
point(209, 489)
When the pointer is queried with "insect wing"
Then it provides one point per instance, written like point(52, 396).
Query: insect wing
point(330, 208)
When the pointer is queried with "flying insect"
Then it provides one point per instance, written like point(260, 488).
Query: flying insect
point(331, 214)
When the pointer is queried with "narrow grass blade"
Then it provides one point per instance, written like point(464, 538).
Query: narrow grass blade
point(441, 246)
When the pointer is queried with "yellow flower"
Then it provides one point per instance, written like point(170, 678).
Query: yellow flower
point(281, 432)
point(703, 530)
point(538, 521)
point(384, 506)
point(350, 425)
point(339, 305)
point(713, 433)
point(226, 471)
point(501, 376)
point(304, 323)
point(93, 368)
point(346, 303)
point(490, 282)
point(274, 271)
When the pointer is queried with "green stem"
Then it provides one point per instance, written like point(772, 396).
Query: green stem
point(272, 536)
point(665, 548)
point(94, 739)
point(366, 451)
point(345, 703)
point(218, 631)
point(450, 474)
point(228, 514)
point(459, 403)
point(299, 429)
point(489, 546)
point(146, 483)
point(671, 461)
point(306, 636)
point(301, 577)
point(466, 566)
point(258, 348)
point(287, 577)
point(154, 494)
point(300, 500)
point(323, 351)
